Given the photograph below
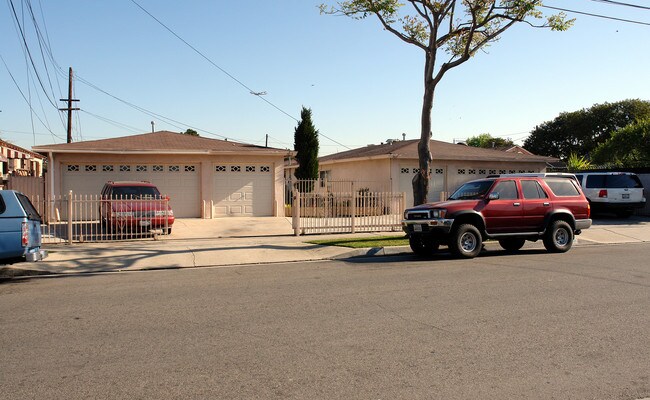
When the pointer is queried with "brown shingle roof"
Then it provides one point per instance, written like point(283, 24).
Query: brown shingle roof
point(18, 148)
point(157, 142)
point(408, 149)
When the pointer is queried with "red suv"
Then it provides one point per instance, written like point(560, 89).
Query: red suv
point(135, 207)
point(507, 208)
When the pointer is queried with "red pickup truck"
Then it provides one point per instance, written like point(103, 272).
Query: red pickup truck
point(507, 208)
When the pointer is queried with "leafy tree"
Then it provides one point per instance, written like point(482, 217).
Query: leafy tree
point(191, 132)
point(458, 28)
point(306, 146)
point(627, 147)
point(581, 131)
point(486, 141)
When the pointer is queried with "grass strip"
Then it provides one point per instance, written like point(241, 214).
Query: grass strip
point(357, 243)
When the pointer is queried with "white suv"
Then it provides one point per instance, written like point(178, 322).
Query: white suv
point(617, 192)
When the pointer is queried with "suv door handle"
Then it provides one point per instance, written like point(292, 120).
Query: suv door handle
point(546, 204)
point(516, 204)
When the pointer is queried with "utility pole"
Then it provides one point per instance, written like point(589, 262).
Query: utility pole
point(69, 109)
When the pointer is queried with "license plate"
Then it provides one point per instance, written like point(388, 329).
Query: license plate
point(145, 223)
point(417, 228)
point(626, 196)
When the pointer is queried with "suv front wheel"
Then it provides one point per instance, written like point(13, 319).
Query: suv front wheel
point(558, 237)
point(466, 241)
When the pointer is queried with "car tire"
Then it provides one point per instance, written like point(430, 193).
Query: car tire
point(169, 231)
point(466, 241)
point(421, 246)
point(558, 237)
point(512, 244)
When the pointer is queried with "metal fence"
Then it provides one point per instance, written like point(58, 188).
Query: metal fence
point(339, 207)
point(85, 218)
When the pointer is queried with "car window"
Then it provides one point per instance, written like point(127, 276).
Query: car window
point(595, 181)
point(579, 178)
point(532, 190)
point(507, 190)
point(562, 187)
point(622, 182)
point(31, 212)
point(472, 190)
point(3, 206)
point(134, 192)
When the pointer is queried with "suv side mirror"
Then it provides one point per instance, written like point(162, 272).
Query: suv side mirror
point(493, 196)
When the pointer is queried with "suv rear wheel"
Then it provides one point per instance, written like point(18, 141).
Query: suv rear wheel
point(558, 237)
point(466, 241)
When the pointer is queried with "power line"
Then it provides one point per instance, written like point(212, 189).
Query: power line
point(597, 15)
point(25, 98)
point(251, 91)
point(618, 3)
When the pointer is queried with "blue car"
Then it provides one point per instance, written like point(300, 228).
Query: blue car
point(20, 229)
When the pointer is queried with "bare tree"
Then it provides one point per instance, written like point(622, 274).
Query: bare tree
point(459, 28)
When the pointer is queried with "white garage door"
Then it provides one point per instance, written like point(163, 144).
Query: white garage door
point(181, 182)
point(436, 186)
point(243, 190)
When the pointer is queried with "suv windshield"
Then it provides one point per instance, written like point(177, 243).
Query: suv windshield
point(134, 192)
point(472, 190)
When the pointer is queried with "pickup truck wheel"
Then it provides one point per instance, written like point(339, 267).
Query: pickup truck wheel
point(466, 241)
point(558, 237)
point(423, 247)
point(512, 244)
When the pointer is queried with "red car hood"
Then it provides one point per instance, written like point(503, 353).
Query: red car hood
point(451, 205)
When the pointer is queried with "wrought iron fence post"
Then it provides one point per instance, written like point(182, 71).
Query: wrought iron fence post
point(295, 212)
point(70, 208)
point(353, 208)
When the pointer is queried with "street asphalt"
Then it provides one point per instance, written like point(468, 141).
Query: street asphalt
point(240, 241)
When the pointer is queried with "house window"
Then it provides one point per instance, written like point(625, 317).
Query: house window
point(107, 168)
point(461, 171)
point(521, 171)
point(512, 171)
point(90, 168)
point(235, 168)
point(265, 168)
point(492, 172)
point(472, 172)
point(530, 171)
point(250, 168)
point(405, 170)
point(502, 171)
point(174, 168)
point(439, 171)
point(481, 172)
point(220, 168)
point(324, 176)
point(158, 168)
point(141, 168)
point(416, 170)
point(125, 168)
point(73, 168)
point(190, 168)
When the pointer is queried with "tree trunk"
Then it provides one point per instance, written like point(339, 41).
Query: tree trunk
point(421, 180)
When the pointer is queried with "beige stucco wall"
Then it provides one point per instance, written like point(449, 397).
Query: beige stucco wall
point(57, 162)
point(375, 174)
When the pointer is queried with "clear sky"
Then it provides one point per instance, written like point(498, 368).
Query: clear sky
point(362, 83)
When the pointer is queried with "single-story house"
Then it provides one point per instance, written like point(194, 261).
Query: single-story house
point(392, 165)
point(203, 177)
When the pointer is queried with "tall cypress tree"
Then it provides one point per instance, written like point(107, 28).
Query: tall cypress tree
point(305, 143)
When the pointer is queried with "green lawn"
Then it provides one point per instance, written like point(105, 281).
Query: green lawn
point(355, 243)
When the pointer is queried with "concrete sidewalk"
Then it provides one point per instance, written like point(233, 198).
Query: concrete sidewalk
point(239, 241)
